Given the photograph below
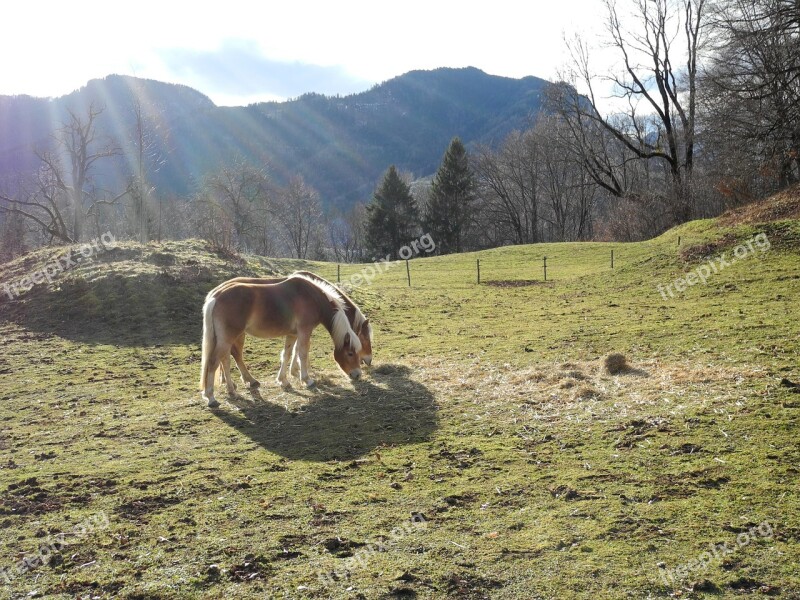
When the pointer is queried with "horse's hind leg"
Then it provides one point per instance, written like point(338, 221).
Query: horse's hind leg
point(237, 351)
point(286, 357)
point(211, 375)
point(225, 360)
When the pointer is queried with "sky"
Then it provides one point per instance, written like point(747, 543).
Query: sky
point(237, 52)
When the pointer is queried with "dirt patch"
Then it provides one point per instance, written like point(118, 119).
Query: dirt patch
point(28, 497)
point(341, 548)
point(515, 283)
point(706, 250)
point(250, 569)
point(467, 585)
point(137, 510)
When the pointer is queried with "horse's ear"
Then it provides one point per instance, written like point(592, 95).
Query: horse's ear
point(346, 340)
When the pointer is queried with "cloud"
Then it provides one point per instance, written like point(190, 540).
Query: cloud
point(237, 70)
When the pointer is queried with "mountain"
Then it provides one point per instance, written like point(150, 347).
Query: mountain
point(340, 145)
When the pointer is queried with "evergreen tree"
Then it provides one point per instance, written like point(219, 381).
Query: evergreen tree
point(391, 216)
point(452, 199)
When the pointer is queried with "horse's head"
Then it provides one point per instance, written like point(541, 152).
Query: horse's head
point(348, 358)
point(365, 337)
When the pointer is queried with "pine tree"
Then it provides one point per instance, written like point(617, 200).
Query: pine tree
point(391, 216)
point(452, 198)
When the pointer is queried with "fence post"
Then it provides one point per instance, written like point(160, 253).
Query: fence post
point(544, 266)
point(479, 270)
point(679, 240)
point(408, 273)
point(338, 273)
point(612, 258)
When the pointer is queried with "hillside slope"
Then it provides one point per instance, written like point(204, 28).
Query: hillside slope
point(489, 452)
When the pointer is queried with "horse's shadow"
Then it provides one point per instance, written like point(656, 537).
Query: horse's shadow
point(337, 423)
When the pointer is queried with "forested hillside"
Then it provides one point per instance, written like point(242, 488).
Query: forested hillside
point(339, 145)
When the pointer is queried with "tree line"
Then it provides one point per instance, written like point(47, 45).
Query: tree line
point(704, 114)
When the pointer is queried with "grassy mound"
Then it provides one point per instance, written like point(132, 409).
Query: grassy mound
point(126, 294)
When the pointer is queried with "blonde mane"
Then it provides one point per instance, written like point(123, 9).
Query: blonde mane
point(340, 325)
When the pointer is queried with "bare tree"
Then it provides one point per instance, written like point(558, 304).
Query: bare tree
point(346, 234)
point(508, 180)
point(61, 194)
point(42, 203)
point(752, 94)
point(658, 56)
point(12, 235)
point(77, 151)
point(300, 216)
point(568, 192)
point(145, 160)
point(242, 192)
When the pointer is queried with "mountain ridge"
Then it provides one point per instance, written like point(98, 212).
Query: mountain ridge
point(339, 144)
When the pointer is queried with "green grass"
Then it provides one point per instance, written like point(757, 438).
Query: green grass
point(487, 413)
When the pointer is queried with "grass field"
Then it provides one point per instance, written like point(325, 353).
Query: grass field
point(487, 454)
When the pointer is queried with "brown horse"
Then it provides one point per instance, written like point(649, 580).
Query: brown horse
point(291, 309)
point(359, 323)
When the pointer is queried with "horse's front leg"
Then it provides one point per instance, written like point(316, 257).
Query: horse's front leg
point(286, 357)
point(301, 350)
point(295, 363)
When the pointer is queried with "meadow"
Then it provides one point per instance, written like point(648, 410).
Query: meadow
point(488, 452)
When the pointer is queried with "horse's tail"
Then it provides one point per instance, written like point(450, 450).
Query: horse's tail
point(209, 339)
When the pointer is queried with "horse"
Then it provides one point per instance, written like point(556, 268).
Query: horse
point(292, 309)
point(359, 323)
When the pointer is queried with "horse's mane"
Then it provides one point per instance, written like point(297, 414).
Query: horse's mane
point(358, 319)
point(340, 326)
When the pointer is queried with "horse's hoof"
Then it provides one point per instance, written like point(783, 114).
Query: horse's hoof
point(310, 383)
point(284, 384)
point(255, 384)
point(212, 403)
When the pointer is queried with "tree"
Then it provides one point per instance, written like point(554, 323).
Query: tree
point(300, 215)
point(43, 205)
point(62, 194)
point(391, 217)
point(78, 148)
point(657, 82)
point(752, 92)
point(241, 192)
point(12, 235)
point(508, 179)
point(346, 233)
point(451, 206)
point(146, 161)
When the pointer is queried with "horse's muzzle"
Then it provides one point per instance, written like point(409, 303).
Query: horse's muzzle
point(355, 374)
point(367, 360)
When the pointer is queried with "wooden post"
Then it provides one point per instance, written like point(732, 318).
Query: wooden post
point(544, 266)
point(479, 270)
point(408, 273)
point(612, 258)
point(679, 240)
point(338, 273)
